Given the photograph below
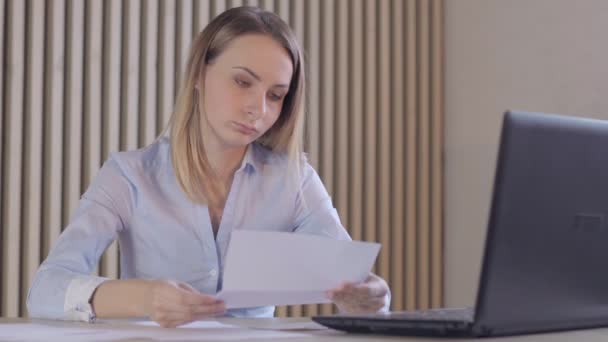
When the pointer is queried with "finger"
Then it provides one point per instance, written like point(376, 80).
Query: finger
point(188, 297)
point(187, 287)
point(166, 318)
point(340, 289)
point(374, 289)
point(353, 306)
point(168, 305)
point(357, 297)
point(373, 305)
point(184, 293)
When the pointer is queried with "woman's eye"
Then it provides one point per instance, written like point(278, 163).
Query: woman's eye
point(276, 97)
point(242, 83)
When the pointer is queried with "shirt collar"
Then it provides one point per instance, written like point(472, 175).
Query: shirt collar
point(251, 160)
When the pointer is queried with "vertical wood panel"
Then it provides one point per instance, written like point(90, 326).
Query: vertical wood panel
point(11, 232)
point(202, 13)
point(130, 132)
point(53, 121)
point(93, 91)
point(148, 92)
point(184, 36)
point(217, 7)
point(312, 57)
point(437, 153)
point(281, 7)
point(355, 112)
point(342, 176)
point(383, 146)
point(111, 105)
point(296, 15)
point(33, 144)
point(166, 82)
point(423, 242)
point(341, 172)
point(397, 169)
point(4, 47)
point(370, 115)
point(74, 106)
point(411, 285)
point(234, 3)
point(267, 5)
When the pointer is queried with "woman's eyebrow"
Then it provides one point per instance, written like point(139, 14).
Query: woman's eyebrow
point(254, 75)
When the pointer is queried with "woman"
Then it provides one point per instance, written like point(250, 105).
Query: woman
point(233, 160)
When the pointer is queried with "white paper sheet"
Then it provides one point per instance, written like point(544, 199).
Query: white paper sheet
point(191, 325)
point(272, 268)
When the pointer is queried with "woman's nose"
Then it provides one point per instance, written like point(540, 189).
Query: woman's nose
point(257, 106)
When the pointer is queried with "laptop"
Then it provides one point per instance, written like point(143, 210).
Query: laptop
point(545, 264)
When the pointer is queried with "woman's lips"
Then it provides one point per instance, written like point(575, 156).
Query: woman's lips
point(245, 129)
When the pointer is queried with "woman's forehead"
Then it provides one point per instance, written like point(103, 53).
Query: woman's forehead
point(261, 54)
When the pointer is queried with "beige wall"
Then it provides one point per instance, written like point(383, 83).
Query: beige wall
point(535, 55)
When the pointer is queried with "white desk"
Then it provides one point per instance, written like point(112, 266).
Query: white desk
point(249, 330)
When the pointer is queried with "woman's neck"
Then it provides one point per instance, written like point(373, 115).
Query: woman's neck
point(225, 160)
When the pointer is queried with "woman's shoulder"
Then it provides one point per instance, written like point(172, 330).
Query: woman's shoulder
point(150, 158)
point(264, 156)
point(278, 165)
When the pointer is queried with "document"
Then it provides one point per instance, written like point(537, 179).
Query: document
point(276, 268)
point(203, 324)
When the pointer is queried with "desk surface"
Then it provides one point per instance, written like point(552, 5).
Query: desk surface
point(248, 330)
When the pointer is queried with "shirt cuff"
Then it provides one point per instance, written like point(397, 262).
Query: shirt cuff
point(387, 306)
point(77, 297)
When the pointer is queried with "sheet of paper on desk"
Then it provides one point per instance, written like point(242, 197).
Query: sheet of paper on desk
point(272, 268)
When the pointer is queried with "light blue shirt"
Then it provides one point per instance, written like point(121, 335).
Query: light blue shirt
point(136, 199)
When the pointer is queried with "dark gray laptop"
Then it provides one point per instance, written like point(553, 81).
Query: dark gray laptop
point(545, 265)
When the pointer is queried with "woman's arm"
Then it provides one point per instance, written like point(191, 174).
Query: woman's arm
point(315, 214)
point(169, 303)
point(64, 283)
point(122, 298)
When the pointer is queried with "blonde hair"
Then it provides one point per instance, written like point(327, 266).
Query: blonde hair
point(191, 166)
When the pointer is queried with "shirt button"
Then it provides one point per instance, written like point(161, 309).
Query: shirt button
point(213, 272)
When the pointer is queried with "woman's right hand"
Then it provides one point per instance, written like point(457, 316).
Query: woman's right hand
point(171, 303)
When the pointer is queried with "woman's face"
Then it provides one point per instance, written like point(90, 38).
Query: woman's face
point(245, 87)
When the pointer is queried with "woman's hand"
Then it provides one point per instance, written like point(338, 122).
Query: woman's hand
point(372, 295)
point(172, 303)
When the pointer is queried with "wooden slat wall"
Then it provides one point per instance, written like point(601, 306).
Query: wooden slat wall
point(81, 79)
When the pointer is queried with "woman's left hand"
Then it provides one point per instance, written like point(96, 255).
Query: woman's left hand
point(372, 295)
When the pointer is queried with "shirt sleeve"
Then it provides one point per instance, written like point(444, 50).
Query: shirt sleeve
point(64, 284)
point(315, 213)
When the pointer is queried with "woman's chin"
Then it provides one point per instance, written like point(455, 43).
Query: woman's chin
point(235, 141)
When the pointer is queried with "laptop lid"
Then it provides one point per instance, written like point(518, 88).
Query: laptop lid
point(545, 264)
